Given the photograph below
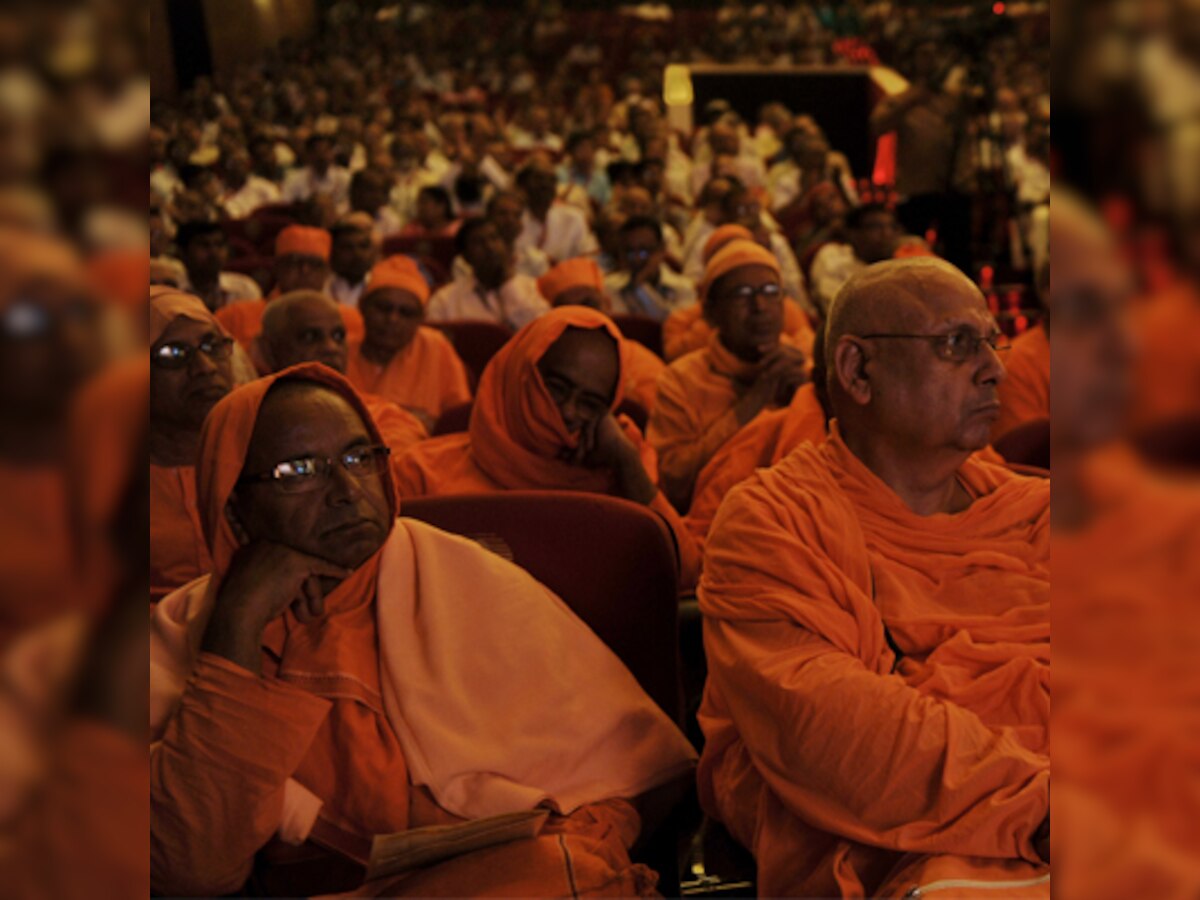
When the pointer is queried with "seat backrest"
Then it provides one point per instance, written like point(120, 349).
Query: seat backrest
point(643, 329)
point(476, 342)
point(611, 561)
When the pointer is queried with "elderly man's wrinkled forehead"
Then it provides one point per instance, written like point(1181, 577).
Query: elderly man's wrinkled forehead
point(288, 311)
point(905, 296)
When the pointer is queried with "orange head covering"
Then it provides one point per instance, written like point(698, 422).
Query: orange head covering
point(225, 439)
point(735, 255)
point(401, 273)
point(304, 240)
point(121, 276)
point(168, 304)
point(723, 236)
point(571, 273)
point(516, 429)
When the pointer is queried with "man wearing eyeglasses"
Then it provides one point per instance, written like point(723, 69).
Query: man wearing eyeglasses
point(877, 620)
point(706, 396)
point(645, 285)
point(191, 368)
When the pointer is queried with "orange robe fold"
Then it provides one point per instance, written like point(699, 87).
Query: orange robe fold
point(1025, 391)
point(178, 553)
point(641, 374)
point(761, 444)
point(341, 729)
point(516, 434)
point(878, 697)
point(693, 416)
point(243, 320)
point(1167, 371)
point(426, 377)
point(686, 330)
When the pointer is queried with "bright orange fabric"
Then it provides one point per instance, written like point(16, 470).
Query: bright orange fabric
point(516, 432)
point(693, 416)
point(1126, 627)
point(722, 236)
point(305, 241)
point(399, 428)
point(581, 271)
point(760, 444)
point(177, 550)
point(243, 320)
point(1167, 372)
point(340, 713)
point(640, 373)
point(399, 272)
point(878, 697)
point(121, 276)
point(1025, 392)
point(736, 254)
point(427, 376)
point(686, 330)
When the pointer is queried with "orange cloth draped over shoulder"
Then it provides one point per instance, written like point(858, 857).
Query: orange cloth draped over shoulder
point(178, 553)
point(1167, 370)
point(516, 433)
point(878, 696)
point(642, 366)
point(405, 705)
point(761, 444)
point(427, 376)
point(1025, 392)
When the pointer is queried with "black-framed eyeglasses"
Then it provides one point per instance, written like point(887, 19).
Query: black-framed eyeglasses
point(178, 355)
point(955, 346)
point(744, 294)
point(310, 473)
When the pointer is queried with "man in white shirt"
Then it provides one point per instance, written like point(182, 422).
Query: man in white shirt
point(490, 292)
point(322, 179)
point(353, 251)
point(203, 250)
point(244, 191)
point(873, 236)
point(506, 210)
point(411, 174)
point(369, 192)
point(645, 285)
point(557, 229)
point(728, 159)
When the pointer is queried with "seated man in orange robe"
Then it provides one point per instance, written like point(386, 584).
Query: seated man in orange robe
point(307, 326)
point(191, 368)
point(704, 398)
point(1126, 579)
point(877, 620)
point(579, 282)
point(399, 358)
point(544, 419)
point(301, 263)
point(686, 329)
point(344, 674)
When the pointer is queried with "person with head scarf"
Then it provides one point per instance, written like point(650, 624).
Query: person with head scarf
point(301, 263)
point(306, 326)
point(398, 358)
point(544, 419)
point(686, 329)
point(749, 365)
point(877, 621)
point(579, 282)
point(337, 677)
point(191, 368)
point(52, 339)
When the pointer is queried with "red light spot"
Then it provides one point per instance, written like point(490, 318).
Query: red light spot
point(999, 8)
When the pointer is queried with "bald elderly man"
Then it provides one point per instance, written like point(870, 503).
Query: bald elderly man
point(307, 326)
point(877, 620)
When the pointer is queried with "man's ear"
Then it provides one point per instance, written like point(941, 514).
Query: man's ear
point(849, 369)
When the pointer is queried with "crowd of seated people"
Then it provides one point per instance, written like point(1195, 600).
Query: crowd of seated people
point(788, 365)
